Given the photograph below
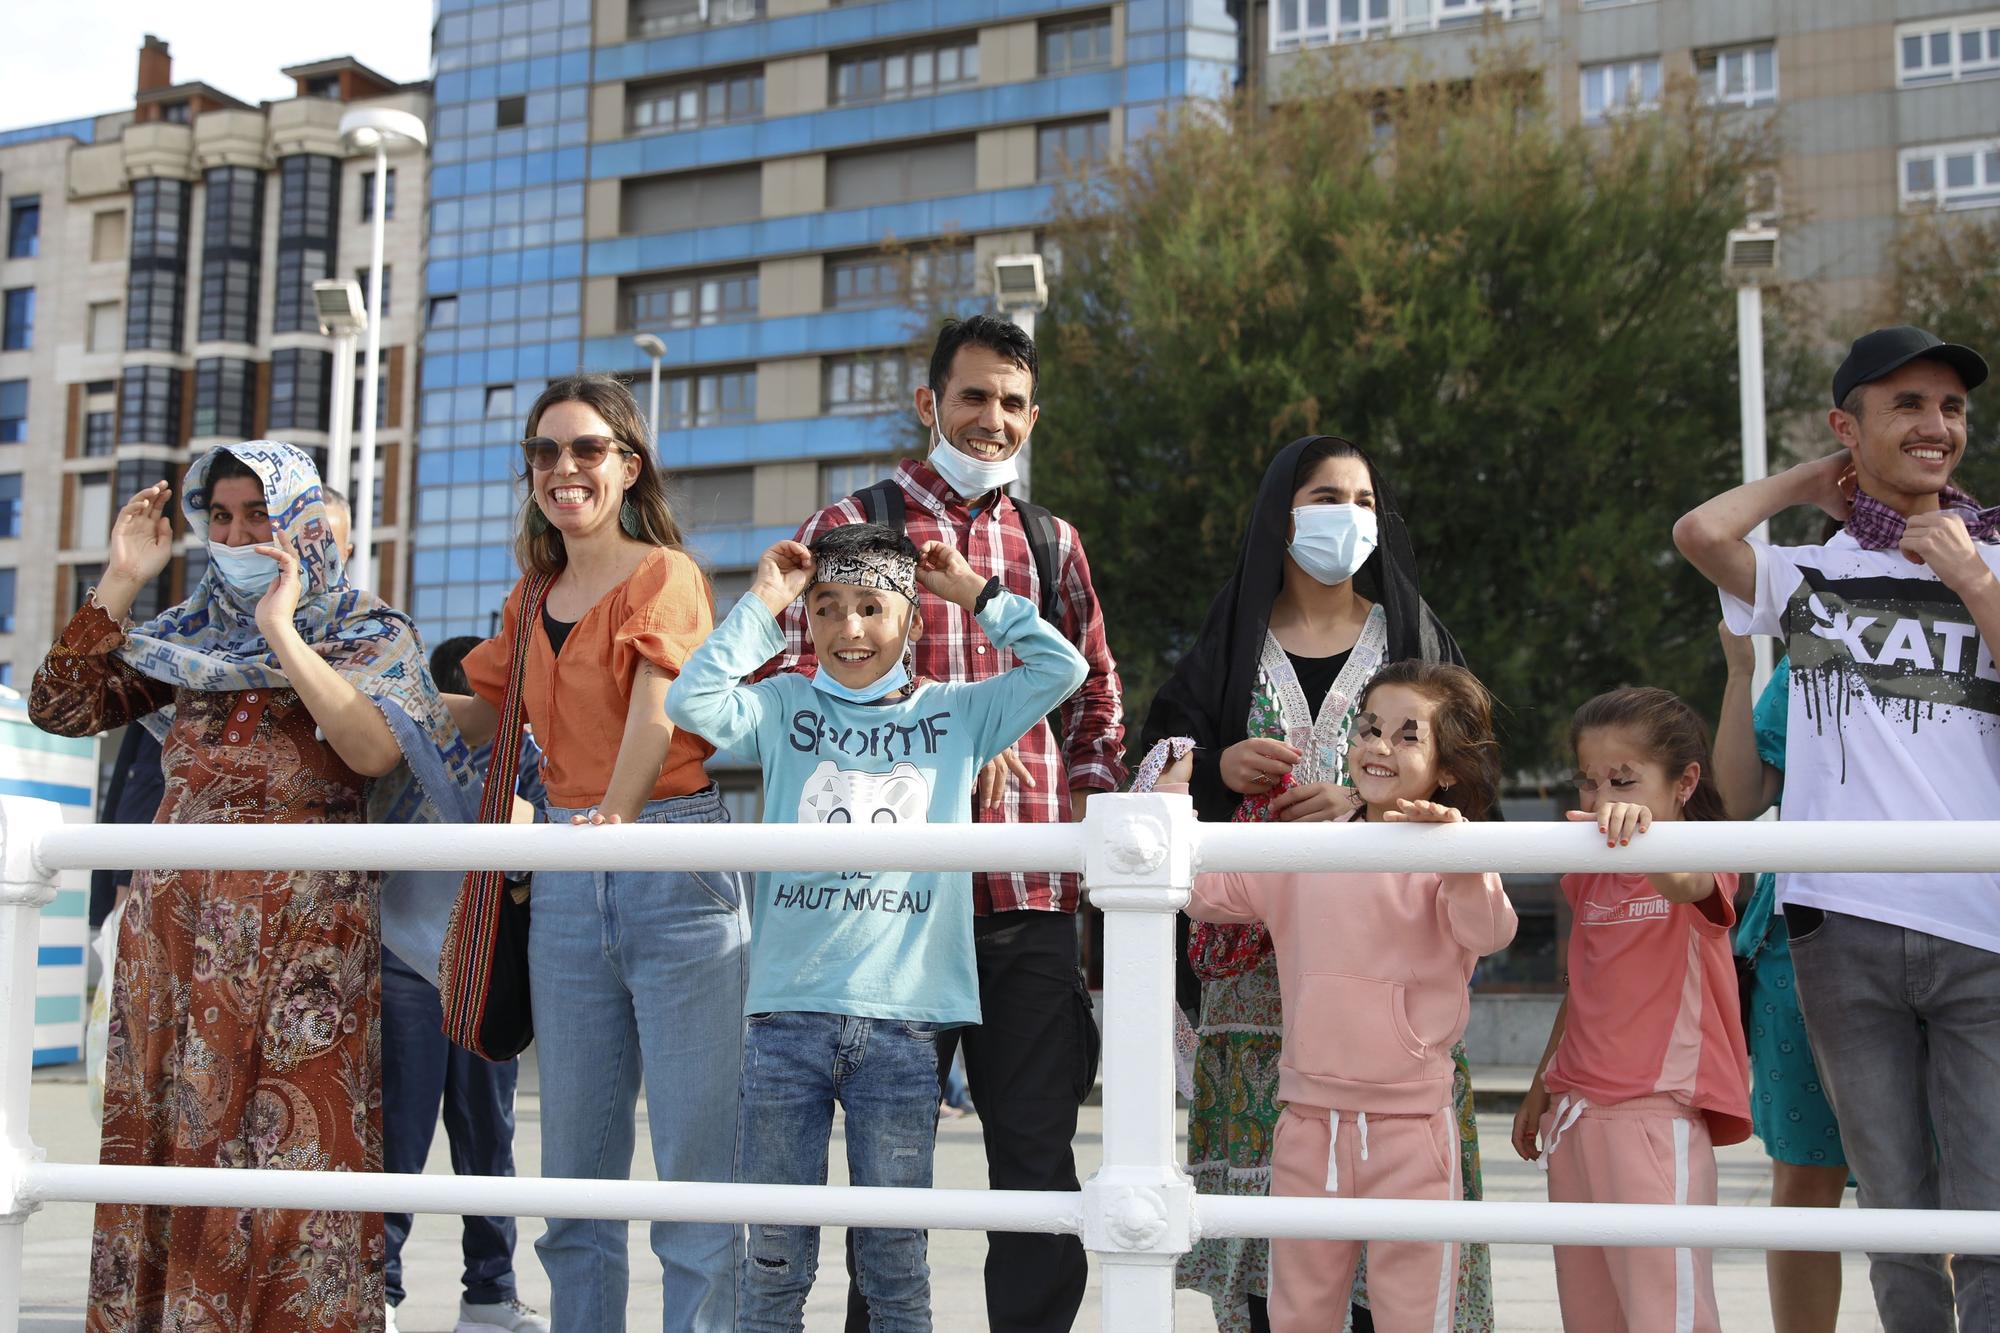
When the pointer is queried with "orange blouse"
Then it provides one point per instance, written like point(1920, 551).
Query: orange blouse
point(576, 702)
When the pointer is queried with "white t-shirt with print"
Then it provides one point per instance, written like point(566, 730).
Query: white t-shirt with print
point(1894, 714)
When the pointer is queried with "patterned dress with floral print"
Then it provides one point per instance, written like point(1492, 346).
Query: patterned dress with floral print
point(243, 1018)
point(1235, 1109)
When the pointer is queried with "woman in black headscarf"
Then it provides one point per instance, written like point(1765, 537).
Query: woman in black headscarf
point(1324, 594)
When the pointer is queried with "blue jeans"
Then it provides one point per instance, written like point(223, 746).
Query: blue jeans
point(631, 973)
point(420, 1071)
point(883, 1072)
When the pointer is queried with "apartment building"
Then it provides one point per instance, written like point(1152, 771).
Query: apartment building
point(157, 285)
point(1884, 108)
point(724, 174)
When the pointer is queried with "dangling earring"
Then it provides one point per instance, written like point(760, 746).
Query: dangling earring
point(628, 519)
point(538, 522)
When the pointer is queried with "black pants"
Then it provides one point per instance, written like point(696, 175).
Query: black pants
point(1030, 1063)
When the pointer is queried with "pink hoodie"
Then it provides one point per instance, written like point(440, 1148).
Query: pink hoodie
point(1373, 968)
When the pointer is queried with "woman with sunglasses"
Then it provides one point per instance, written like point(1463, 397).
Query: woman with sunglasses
point(629, 971)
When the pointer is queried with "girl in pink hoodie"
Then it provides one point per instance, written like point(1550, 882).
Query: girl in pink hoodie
point(1373, 968)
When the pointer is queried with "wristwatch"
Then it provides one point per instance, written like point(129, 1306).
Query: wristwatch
point(986, 594)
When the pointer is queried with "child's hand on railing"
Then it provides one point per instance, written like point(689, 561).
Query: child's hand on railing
point(1421, 812)
point(1618, 821)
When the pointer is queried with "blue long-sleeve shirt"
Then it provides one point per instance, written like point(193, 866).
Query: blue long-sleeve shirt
point(876, 944)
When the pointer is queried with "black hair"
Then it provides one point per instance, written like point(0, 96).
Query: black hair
point(447, 663)
point(995, 335)
point(862, 539)
point(227, 465)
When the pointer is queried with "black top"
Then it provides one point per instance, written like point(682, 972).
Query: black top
point(557, 630)
point(1316, 676)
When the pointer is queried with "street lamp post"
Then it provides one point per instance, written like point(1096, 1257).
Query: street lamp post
point(341, 316)
point(361, 130)
point(1751, 259)
point(1020, 291)
point(653, 347)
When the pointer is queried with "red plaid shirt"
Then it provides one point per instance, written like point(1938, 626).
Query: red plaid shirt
point(954, 648)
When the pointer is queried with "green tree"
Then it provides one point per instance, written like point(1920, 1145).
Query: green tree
point(1947, 279)
point(1524, 321)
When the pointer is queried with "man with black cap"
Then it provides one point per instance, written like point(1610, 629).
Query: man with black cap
point(1895, 715)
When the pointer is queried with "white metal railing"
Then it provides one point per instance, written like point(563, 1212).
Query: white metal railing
point(1138, 855)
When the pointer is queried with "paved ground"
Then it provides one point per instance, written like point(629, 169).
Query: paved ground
point(58, 1237)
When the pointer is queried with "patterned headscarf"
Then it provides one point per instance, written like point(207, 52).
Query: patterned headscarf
point(211, 641)
point(885, 571)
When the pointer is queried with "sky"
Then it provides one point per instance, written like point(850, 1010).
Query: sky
point(65, 59)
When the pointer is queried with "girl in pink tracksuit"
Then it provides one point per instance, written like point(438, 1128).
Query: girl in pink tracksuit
point(1645, 1072)
point(1373, 968)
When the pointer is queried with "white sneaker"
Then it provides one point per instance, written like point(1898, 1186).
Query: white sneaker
point(508, 1316)
point(389, 1319)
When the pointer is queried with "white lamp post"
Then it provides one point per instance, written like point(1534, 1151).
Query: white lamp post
point(653, 347)
point(361, 130)
point(1751, 259)
point(341, 316)
point(1020, 292)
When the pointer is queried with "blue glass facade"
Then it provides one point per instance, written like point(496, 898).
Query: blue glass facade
point(527, 252)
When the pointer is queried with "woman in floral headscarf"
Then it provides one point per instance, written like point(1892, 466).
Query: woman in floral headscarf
point(244, 1011)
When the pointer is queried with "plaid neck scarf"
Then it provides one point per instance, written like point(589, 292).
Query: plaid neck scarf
point(1876, 527)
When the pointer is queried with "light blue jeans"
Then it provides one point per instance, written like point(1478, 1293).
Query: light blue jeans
point(884, 1074)
point(640, 973)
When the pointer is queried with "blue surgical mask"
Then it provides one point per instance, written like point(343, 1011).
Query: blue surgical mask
point(247, 573)
point(1333, 542)
point(892, 680)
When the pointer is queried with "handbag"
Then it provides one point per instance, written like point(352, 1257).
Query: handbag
point(483, 968)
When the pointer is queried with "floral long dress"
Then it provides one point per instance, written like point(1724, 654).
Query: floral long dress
point(244, 1029)
point(1235, 1110)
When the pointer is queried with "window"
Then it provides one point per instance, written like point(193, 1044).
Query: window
point(308, 213)
point(650, 18)
point(100, 434)
point(913, 171)
point(17, 326)
point(511, 111)
point(684, 301)
point(443, 312)
point(24, 226)
point(837, 481)
point(177, 113)
point(1941, 50)
point(913, 71)
point(93, 511)
point(684, 104)
point(156, 286)
point(6, 601)
point(225, 397)
point(301, 389)
point(1072, 146)
point(232, 247)
point(1078, 44)
point(1952, 176)
point(1302, 23)
point(10, 504)
point(388, 272)
point(149, 405)
point(325, 86)
point(715, 398)
point(874, 278)
point(1621, 86)
point(106, 333)
point(716, 499)
point(13, 411)
point(381, 403)
point(499, 401)
point(692, 199)
point(1745, 77)
point(107, 236)
point(866, 382)
point(368, 196)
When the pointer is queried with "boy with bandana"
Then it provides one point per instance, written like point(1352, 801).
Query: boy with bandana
point(854, 973)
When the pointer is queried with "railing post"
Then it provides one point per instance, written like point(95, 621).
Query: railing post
point(1138, 1209)
point(25, 888)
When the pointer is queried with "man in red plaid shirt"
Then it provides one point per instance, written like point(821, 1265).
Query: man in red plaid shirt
point(1033, 1056)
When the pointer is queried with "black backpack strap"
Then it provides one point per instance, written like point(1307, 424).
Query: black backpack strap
point(884, 503)
point(1040, 525)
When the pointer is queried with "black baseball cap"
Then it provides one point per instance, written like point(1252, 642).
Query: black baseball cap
point(1874, 355)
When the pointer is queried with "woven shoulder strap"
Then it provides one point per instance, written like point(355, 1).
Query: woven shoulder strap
point(496, 804)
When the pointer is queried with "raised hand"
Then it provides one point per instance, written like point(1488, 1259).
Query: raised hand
point(1939, 540)
point(1831, 483)
point(784, 572)
point(142, 537)
point(942, 570)
point(280, 601)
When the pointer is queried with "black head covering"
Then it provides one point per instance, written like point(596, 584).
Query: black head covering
point(1208, 695)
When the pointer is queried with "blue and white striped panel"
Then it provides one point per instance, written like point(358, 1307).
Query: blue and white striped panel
point(59, 769)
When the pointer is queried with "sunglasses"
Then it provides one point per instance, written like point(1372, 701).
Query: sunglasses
point(543, 453)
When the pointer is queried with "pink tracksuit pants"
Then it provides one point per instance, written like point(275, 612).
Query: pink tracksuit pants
point(1645, 1150)
point(1317, 1155)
